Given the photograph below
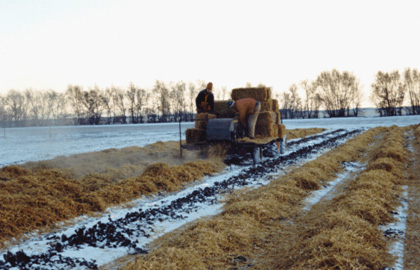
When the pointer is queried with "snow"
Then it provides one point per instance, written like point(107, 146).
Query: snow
point(21, 145)
point(398, 229)
point(317, 195)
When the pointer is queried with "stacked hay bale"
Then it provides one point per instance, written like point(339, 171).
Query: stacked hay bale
point(268, 123)
point(198, 134)
point(222, 110)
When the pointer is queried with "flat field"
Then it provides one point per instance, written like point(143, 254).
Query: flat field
point(343, 196)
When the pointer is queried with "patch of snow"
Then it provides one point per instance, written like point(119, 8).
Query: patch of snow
point(317, 195)
point(396, 230)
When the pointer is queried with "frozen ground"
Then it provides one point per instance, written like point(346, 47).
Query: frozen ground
point(29, 144)
point(20, 145)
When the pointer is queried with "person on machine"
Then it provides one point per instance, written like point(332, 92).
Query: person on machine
point(248, 109)
point(205, 100)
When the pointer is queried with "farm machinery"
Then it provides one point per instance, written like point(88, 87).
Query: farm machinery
point(223, 127)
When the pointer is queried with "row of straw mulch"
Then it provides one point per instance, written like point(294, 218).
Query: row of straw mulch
point(245, 231)
point(412, 236)
point(347, 234)
point(39, 196)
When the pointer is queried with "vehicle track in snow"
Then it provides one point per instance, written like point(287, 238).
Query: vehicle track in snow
point(130, 232)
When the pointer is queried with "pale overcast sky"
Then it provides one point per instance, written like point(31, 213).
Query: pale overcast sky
point(48, 44)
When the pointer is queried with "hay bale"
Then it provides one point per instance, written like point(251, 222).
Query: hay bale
point(194, 135)
point(268, 92)
point(275, 105)
point(267, 118)
point(202, 118)
point(278, 118)
point(281, 130)
point(258, 93)
point(222, 110)
point(265, 125)
point(266, 105)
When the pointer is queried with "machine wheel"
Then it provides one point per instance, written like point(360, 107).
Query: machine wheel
point(283, 144)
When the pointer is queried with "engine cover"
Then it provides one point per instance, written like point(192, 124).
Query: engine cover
point(221, 129)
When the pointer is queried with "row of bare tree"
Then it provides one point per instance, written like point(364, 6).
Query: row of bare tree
point(162, 103)
point(340, 95)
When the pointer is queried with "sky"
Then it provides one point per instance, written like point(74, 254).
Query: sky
point(49, 44)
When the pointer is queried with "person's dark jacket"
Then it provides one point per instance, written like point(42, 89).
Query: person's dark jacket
point(204, 102)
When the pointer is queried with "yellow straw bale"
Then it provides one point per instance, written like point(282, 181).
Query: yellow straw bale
point(266, 105)
point(222, 110)
point(275, 105)
point(194, 135)
point(281, 130)
point(278, 118)
point(258, 93)
point(202, 118)
point(265, 125)
point(267, 118)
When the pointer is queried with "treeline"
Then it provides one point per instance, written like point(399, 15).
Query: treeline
point(339, 94)
point(162, 103)
point(335, 93)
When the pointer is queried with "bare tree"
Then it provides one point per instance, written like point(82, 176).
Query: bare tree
point(163, 101)
point(336, 91)
point(193, 92)
point(412, 85)
point(74, 95)
point(34, 106)
point(388, 93)
point(93, 103)
point(291, 103)
point(15, 104)
point(224, 92)
point(56, 106)
point(141, 102)
point(177, 94)
point(109, 105)
point(119, 101)
point(312, 101)
point(132, 95)
point(3, 113)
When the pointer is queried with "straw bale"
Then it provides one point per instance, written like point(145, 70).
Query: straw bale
point(266, 105)
point(266, 119)
point(194, 135)
point(202, 118)
point(275, 105)
point(222, 110)
point(258, 93)
point(281, 130)
point(265, 125)
point(278, 117)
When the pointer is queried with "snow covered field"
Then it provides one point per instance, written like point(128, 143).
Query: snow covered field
point(20, 145)
point(31, 144)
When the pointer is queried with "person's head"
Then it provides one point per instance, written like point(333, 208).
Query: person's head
point(209, 87)
point(230, 103)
